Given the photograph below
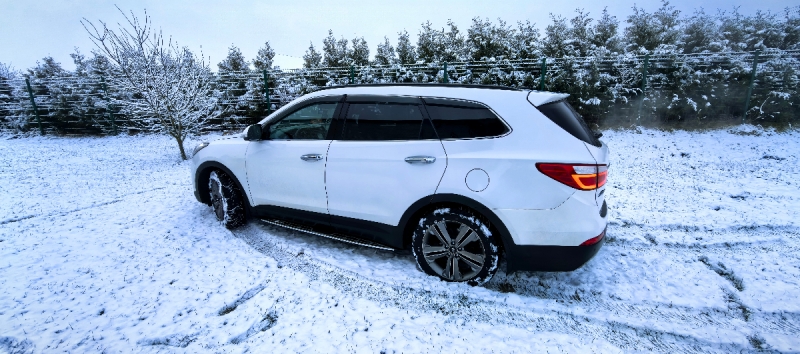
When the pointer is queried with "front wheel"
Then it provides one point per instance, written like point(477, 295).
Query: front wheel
point(226, 200)
point(456, 245)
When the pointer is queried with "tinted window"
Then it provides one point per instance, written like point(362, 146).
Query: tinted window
point(568, 119)
point(461, 120)
point(309, 123)
point(382, 121)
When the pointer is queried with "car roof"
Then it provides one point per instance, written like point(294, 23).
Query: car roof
point(479, 93)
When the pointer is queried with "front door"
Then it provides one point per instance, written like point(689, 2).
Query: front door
point(287, 169)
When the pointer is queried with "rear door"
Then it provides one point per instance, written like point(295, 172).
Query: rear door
point(385, 157)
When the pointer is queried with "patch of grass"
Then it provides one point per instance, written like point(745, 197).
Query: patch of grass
point(506, 288)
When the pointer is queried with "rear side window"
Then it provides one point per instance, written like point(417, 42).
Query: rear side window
point(455, 119)
point(382, 121)
point(568, 119)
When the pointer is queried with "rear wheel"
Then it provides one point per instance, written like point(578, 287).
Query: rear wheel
point(226, 200)
point(456, 245)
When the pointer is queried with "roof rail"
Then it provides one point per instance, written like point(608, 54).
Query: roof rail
point(491, 87)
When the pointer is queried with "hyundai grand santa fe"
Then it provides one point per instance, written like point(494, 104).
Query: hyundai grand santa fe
point(462, 175)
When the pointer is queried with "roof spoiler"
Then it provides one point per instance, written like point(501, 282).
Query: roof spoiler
point(538, 98)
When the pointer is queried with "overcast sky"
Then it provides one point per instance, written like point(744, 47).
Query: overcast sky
point(31, 30)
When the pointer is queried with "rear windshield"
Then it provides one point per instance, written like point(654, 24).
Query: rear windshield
point(567, 118)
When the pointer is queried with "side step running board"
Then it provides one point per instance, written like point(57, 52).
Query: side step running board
point(336, 236)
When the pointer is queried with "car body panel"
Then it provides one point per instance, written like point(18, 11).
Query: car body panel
point(510, 160)
point(371, 180)
point(228, 151)
point(570, 224)
point(278, 176)
point(600, 154)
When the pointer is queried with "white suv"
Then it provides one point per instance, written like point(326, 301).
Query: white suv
point(459, 174)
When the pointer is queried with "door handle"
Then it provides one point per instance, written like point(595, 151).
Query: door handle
point(420, 159)
point(311, 157)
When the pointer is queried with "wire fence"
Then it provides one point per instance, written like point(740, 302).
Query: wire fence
point(754, 87)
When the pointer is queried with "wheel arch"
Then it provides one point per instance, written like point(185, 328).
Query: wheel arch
point(201, 183)
point(426, 204)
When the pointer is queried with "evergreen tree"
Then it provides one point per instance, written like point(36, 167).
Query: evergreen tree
point(235, 61)
point(605, 33)
point(525, 42)
point(455, 48)
point(47, 68)
point(312, 58)
point(77, 99)
point(701, 33)
point(385, 54)
point(9, 105)
point(428, 43)
point(791, 29)
point(359, 56)
point(763, 31)
point(557, 41)
point(263, 60)
point(406, 53)
point(486, 40)
point(335, 52)
point(647, 31)
point(581, 33)
point(344, 52)
point(732, 31)
point(669, 23)
point(99, 65)
point(7, 72)
point(480, 38)
point(435, 46)
point(81, 65)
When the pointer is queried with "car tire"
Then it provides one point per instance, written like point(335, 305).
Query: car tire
point(226, 200)
point(456, 245)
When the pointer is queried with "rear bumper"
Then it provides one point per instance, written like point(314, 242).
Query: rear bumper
point(548, 240)
point(549, 258)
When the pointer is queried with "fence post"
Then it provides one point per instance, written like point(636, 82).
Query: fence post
point(266, 91)
point(752, 82)
point(544, 72)
point(644, 82)
point(445, 79)
point(33, 102)
point(109, 107)
point(352, 74)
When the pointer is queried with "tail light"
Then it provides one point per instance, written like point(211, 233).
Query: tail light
point(584, 177)
point(595, 239)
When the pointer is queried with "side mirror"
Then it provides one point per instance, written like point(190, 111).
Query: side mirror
point(253, 133)
point(598, 135)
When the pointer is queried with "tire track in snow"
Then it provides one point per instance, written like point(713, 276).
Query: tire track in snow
point(737, 237)
point(625, 335)
point(63, 213)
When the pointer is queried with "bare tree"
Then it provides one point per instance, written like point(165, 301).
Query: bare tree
point(175, 87)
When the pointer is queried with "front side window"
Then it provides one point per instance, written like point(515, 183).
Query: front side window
point(308, 123)
point(382, 121)
point(456, 119)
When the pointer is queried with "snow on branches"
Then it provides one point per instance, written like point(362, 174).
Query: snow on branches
point(170, 86)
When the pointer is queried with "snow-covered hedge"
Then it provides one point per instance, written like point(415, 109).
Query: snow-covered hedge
point(604, 88)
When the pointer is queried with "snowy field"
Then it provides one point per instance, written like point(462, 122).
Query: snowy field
point(103, 248)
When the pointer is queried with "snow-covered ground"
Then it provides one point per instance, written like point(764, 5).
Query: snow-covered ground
point(103, 248)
